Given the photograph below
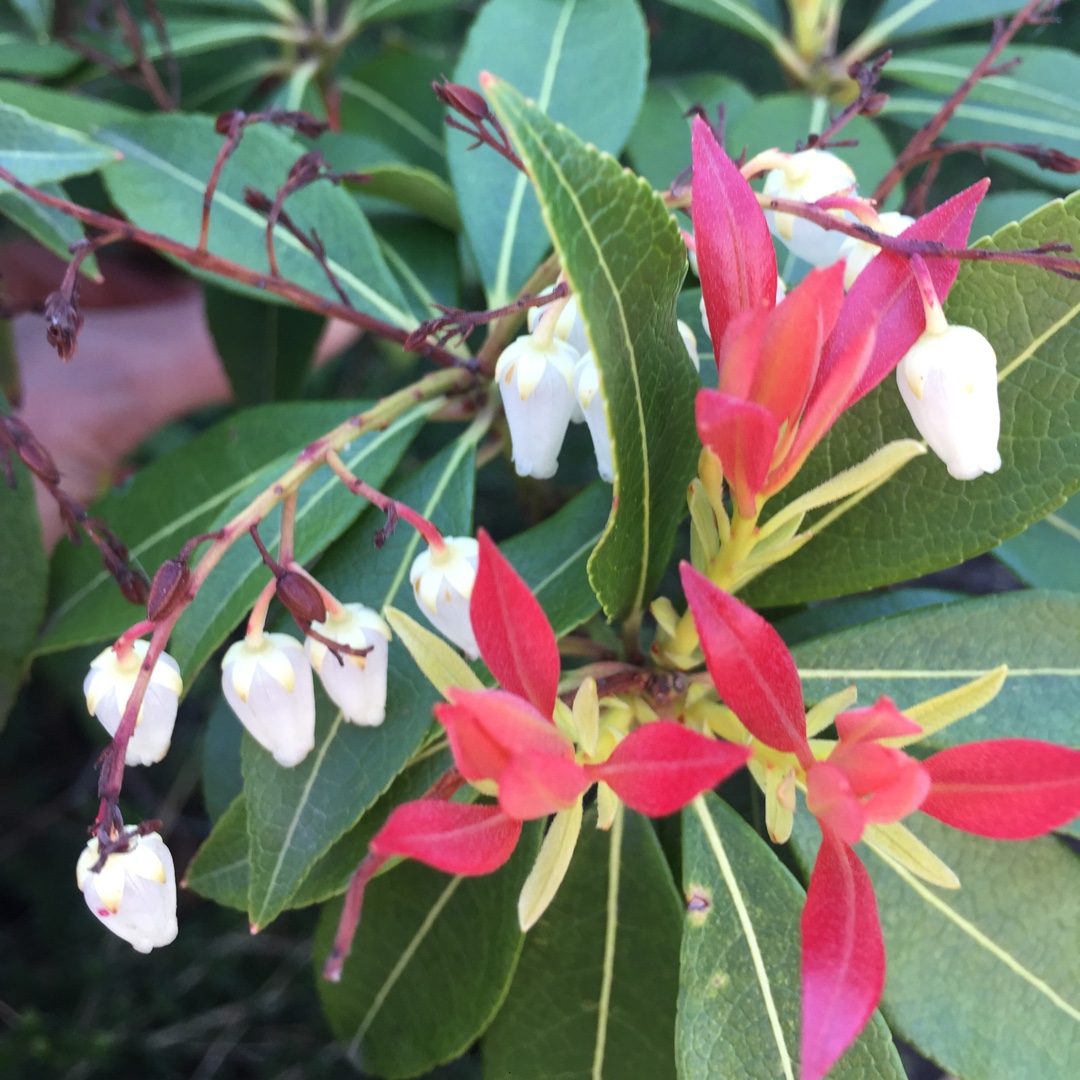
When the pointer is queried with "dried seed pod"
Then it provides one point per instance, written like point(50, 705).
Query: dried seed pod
point(301, 597)
point(167, 590)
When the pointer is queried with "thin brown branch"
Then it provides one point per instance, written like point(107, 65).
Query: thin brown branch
point(132, 35)
point(868, 102)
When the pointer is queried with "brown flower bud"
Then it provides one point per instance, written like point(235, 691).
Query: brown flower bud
point(168, 589)
point(227, 122)
point(301, 597)
point(461, 99)
point(63, 321)
point(132, 584)
point(257, 200)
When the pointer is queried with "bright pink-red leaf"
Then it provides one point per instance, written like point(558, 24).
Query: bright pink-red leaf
point(659, 767)
point(453, 837)
point(890, 784)
point(830, 799)
point(885, 294)
point(534, 785)
point(843, 957)
point(735, 255)
point(882, 720)
point(750, 666)
point(743, 436)
point(738, 352)
point(1007, 789)
point(486, 728)
point(512, 631)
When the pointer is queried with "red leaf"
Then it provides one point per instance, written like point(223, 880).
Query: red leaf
point(885, 294)
point(830, 799)
point(534, 785)
point(486, 728)
point(659, 767)
point(750, 666)
point(882, 720)
point(736, 259)
point(738, 352)
point(743, 436)
point(512, 631)
point(843, 957)
point(1007, 789)
point(453, 837)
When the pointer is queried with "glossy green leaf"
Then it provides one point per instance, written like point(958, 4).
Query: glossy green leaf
point(38, 152)
point(222, 780)
point(220, 869)
point(1047, 555)
point(21, 54)
point(1034, 103)
point(594, 999)
point(760, 19)
point(266, 349)
point(430, 965)
point(37, 14)
point(985, 979)
point(50, 228)
point(23, 576)
point(367, 11)
point(295, 815)
point(553, 557)
point(584, 63)
point(659, 146)
point(424, 258)
point(84, 114)
point(736, 1010)
point(416, 189)
point(194, 36)
point(176, 497)
point(624, 258)
point(898, 19)
point(160, 185)
point(922, 519)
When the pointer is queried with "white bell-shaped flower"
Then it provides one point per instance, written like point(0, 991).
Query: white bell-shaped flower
point(134, 893)
point(587, 388)
point(690, 341)
point(808, 176)
point(536, 383)
point(355, 684)
point(108, 686)
point(569, 327)
point(948, 381)
point(858, 253)
point(442, 581)
point(781, 292)
point(267, 681)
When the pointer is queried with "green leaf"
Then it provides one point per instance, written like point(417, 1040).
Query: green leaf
point(37, 14)
point(160, 185)
point(38, 152)
point(759, 19)
point(985, 980)
point(266, 349)
point(1033, 104)
point(1047, 555)
point(624, 258)
point(50, 228)
point(922, 519)
point(222, 780)
point(295, 815)
point(659, 146)
point(1003, 208)
point(194, 36)
point(425, 260)
point(584, 62)
point(737, 1008)
point(430, 964)
point(84, 114)
point(594, 993)
point(417, 189)
point(176, 497)
point(367, 11)
point(553, 557)
point(220, 869)
point(23, 576)
point(21, 54)
point(898, 19)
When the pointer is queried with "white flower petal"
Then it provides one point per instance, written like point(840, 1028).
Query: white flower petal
point(587, 389)
point(442, 584)
point(356, 684)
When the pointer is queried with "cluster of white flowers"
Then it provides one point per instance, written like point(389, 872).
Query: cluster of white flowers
point(549, 379)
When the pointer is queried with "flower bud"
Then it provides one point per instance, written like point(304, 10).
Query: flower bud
point(267, 681)
point(355, 684)
point(167, 589)
point(858, 253)
point(587, 389)
point(108, 687)
point(948, 381)
point(134, 893)
point(536, 383)
point(442, 581)
point(808, 176)
point(63, 322)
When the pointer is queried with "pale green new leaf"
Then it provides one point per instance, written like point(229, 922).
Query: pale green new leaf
point(760, 19)
point(624, 258)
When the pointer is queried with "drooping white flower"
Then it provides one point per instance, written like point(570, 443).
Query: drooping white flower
point(356, 685)
point(108, 686)
point(858, 253)
point(690, 341)
point(536, 383)
point(267, 681)
point(808, 176)
point(587, 388)
point(442, 581)
point(948, 381)
point(134, 893)
point(569, 327)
